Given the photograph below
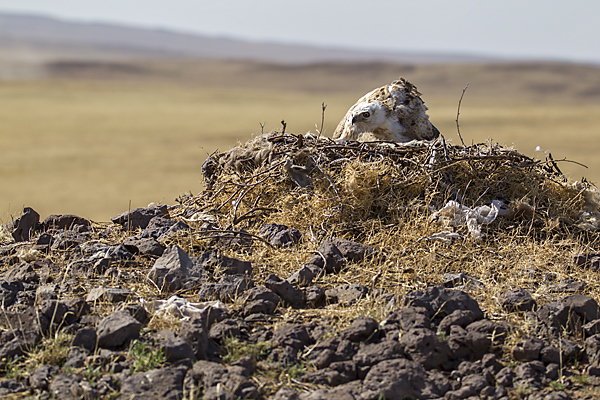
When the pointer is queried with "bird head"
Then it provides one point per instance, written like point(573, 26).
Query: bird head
point(368, 116)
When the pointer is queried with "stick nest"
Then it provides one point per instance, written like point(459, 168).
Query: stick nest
point(329, 189)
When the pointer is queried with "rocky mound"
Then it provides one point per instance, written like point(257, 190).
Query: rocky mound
point(309, 269)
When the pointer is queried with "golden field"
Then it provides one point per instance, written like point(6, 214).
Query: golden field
point(94, 142)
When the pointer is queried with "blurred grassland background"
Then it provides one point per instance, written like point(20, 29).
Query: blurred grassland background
point(94, 138)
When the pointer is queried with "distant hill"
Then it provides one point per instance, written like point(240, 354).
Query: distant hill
point(34, 38)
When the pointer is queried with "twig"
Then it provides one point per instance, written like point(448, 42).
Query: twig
point(458, 113)
point(262, 127)
point(284, 125)
point(323, 107)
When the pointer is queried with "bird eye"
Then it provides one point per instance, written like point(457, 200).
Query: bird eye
point(366, 114)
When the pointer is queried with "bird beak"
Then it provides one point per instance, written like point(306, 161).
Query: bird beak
point(354, 119)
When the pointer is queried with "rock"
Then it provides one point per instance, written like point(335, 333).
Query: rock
point(336, 374)
point(110, 295)
point(570, 313)
point(259, 300)
point(194, 332)
point(291, 335)
point(328, 257)
point(145, 247)
point(66, 240)
point(373, 354)
point(280, 235)
point(286, 393)
point(44, 242)
point(164, 383)
point(41, 376)
point(219, 382)
point(57, 313)
point(468, 345)
point(568, 286)
point(461, 318)
point(76, 358)
point(362, 328)
point(176, 349)
point(9, 292)
point(426, 348)
point(66, 222)
point(229, 288)
point(22, 272)
point(227, 328)
point(471, 385)
point(23, 331)
point(460, 281)
point(85, 338)
point(23, 227)
point(222, 265)
point(71, 387)
point(517, 299)
point(315, 296)
point(440, 302)
point(140, 217)
point(117, 329)
point(399, 379)
point(496, 330)
point(286, 291)
point(587, 260)
point(592, 349)
point(505, 377)
point(406, 319)
point(346, 294)
point(331, 350)
point(592, 327)
point(527, 349)
point(161, 228)
point(174, 269)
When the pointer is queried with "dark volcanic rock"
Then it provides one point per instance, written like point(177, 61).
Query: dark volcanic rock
point(195, 333)
point(288, 293)
point(164, 383)
point(68, 239)
point(400, 379)
point(291, 335)
point(66, 222)
point(527, 349)
point(222, 265)
point(117, 329)
point(41, 376)
point(23, 227)
point(175, 269)
point(373, 354)
point(361, 329)
point(570, 313)
point(280, 235)
point(140, 217)
point(346, 294)
point(85, 338)
point(145, 247)
point(517, 299)
point(426, 348)
point(70, 387)
point(259, 300)
point(161, 228)
point(440, 302)
point(229, 288)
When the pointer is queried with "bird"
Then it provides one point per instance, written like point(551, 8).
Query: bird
point(393, 112)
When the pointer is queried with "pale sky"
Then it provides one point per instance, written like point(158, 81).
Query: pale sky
point(549, 29)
